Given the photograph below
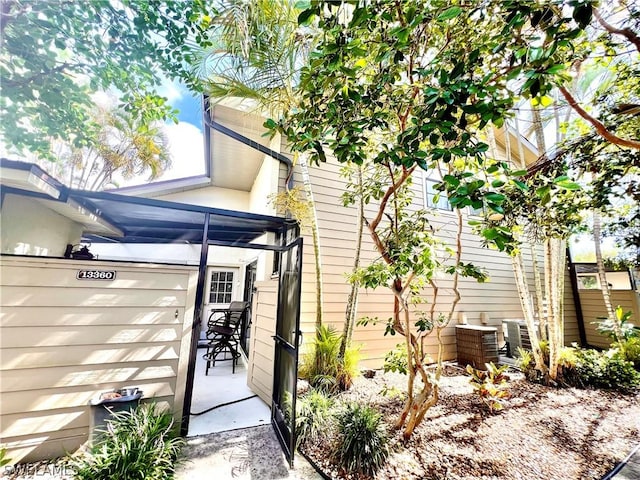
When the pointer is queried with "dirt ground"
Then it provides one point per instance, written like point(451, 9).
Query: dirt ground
point(542, 432)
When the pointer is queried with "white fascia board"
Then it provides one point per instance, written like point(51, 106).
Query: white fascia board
point(95, 223)
point(163, 188)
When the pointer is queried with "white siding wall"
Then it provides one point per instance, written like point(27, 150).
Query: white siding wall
point(63, 341)
point(30, 228)
point(211, 197)
point(261, 351)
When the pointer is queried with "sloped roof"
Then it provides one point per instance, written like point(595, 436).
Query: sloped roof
point(127, 219)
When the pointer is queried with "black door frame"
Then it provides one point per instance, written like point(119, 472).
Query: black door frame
point(247, 296)
point(283, 404)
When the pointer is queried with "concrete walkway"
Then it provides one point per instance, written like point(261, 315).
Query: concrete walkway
point(246, 454)
point(629, 469)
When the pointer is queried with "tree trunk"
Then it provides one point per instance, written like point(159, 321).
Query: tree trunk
point(602, 274)
point(315, 234)
point(539, 131)
point(352, 299)
point(418, 405)
point(527, 310)
point(539, 293)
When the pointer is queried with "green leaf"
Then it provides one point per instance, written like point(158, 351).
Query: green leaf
point(569, 185)
point(556, 69)
point(521, 185)
point(490, 233)
point(495, 197)
point(305, 16)
point(451, 180)
point(450, 13)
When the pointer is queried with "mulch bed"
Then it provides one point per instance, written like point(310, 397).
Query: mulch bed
point(542, 432)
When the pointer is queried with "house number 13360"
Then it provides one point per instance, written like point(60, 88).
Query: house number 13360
point(96, 275)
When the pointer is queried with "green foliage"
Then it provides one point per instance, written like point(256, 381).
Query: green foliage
point(525, 360)
point(396, 360)
point(4, 460)
point(392, 392)
point(362, 444)
point(608, 328)
point(631, 349)
point(313, 416)
point(608, 369)
point(56, 54)
point(137, 445)
point(322, 367)
point(490, 385)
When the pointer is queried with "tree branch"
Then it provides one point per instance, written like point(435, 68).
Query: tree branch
point(36, 77)
point(598, 125)
point(625, 32)
point(385, 199)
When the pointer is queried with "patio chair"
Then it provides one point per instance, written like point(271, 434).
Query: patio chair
point(223, 334)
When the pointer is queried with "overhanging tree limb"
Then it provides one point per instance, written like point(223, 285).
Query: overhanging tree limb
point(601, 129)
point(625, 32)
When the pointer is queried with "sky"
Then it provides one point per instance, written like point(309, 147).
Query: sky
point(186, 142)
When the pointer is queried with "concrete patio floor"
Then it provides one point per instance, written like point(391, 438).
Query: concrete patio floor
point(246, 454)
point(219, 387)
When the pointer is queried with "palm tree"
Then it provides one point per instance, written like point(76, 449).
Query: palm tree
point(123, 146)
point(256, 52)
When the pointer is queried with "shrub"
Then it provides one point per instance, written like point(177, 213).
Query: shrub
point(526, 363)
point(396, 360)
point(631, 349)
point(136, 445)
point(566, 364)
point(321, 366)
point(607, 369)
point(313, 416)
point(4, 459)
point(621, 323)
point(363, 443)
point(490, 385)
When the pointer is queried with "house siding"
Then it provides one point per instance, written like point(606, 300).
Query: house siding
point(64, 341)
point(30, 228)
point(494, 300)
point(261, 351)
point(593, 308)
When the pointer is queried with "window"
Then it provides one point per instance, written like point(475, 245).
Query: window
point(588, 282)
point(442, 202)
point(477, 212)
point(221, 287)
point(275, 268)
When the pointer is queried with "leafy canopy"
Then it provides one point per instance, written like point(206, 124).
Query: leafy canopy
point(56, 53)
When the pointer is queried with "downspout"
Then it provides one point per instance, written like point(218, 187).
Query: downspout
point(576, 300)
point(195, 328)
point(209, 123)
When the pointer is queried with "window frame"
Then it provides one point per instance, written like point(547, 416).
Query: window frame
point(430, 193)
point(227, 283)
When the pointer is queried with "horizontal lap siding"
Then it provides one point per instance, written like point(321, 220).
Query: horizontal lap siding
point(497, 298)
point(261, 353)
point(66, 340)
point(593, 308)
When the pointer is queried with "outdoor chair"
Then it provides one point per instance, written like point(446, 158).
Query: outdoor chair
point(223, 329)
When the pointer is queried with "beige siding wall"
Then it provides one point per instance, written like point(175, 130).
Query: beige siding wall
point(593, 308)
point(30, 228)
point(494, 300)
point(261, 351)
point(64, 341)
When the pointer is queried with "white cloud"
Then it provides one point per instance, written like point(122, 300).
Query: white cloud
point(172, 90)
point(187, 151)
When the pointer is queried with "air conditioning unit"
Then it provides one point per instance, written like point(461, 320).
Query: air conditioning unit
point(517, 336)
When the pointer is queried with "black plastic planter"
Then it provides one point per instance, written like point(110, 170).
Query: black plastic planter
point(103, 408)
